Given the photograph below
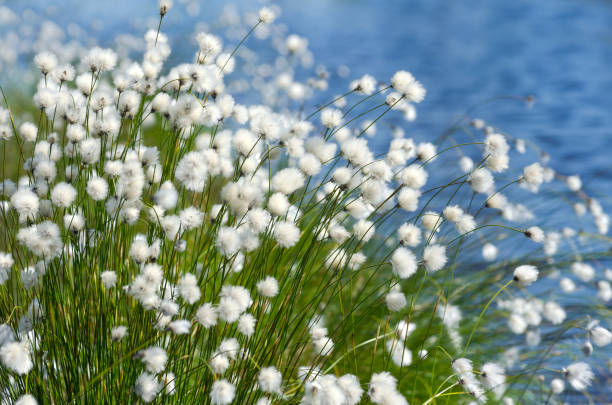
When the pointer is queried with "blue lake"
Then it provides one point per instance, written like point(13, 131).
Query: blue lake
point(464, 52)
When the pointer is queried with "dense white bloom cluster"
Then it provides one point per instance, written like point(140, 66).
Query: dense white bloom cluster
point(255, 251)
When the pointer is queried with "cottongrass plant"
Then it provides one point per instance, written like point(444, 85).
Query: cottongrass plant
point(162, 243)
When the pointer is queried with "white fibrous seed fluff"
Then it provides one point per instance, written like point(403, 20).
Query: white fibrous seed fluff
point(246, 324)
point(26, 203)
point(118, 333)
point(154, 359)
point(534, 176)
point(191, 171)
point(270, 380)
point(481, 181)
point(206, 315)
point(108, 278)
point(45, 62)
point(228, 241)
point(288, 180)
point(453, 213)
point(350, 386)
point(268, 287)
point(222, 392)
point(409, 234)
point(164, 7)
point(403, 263)
point(408, 199)
point(26, 399)
point(525, 274)
point(331, 117)
point(489, 252)
point(426, 151)
point(434, 257)
point(557, 386)
point(28, 132)
point(395, 300)
point(466, 164)
point(147, 387)
point(63, 195)
point(496, 145)
point(16, 357)
point(413, 176)
point(383, 390)
point(97, 188)
point(286, 233)
point(266, 15)
point(574, 183)
point(189, 289)
point(179, 326)
point(600, 336)
point(90, 150)
point(405, 83)
point(494, 378)
point(579, 375)
point(535, 234)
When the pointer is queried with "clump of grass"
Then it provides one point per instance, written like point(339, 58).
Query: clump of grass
point(163, 243)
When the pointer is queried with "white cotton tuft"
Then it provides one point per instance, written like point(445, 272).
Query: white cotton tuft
point(270, 380)
point(494, 378)
point(222, 392)
point(481, 181)
point(268, 287)
point(525, 275)
point(147, 387)
point(108, 278)
point(26, 399)
point(579, 375)
point(16, 357)
point(331, 117)
point(557, 386)
point(278, 204)
point(349, 384)
point(409, 234)
point(189, 288)
point(601, 336)
point(118, 333)
point(288, 180)
point(574, 183)
point(28, 132)
point(63, 195)
point(489, 252)
point(26, 203)
point(206, 315)
point(405, 83)
point(395, 300)
point(154, 359)
point(97, 188)
point(403, 263)
point(228, 241)
point(408, 199)
point(286, 233)
point(533, 176)
point(413, 176)
point(246, 324)
point(434, 257)
point(535, 234)
point(266, 15)
point(164, 6)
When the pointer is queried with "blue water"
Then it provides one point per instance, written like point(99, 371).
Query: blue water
point(467, 51)
point(464, 51)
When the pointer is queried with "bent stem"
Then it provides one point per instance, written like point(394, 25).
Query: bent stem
point(483, 312)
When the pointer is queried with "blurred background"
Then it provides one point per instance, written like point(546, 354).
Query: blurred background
point(464, 51)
